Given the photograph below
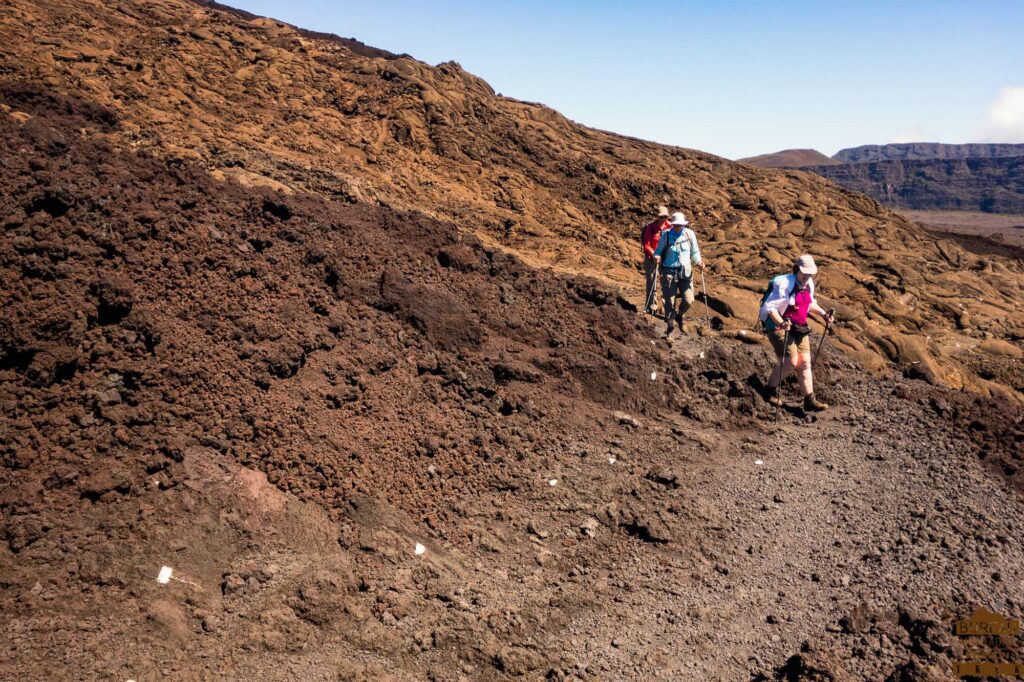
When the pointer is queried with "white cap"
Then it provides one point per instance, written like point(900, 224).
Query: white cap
point(679, 219)
point(806, 264)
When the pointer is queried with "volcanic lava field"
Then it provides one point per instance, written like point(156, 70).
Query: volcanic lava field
point(352, 345)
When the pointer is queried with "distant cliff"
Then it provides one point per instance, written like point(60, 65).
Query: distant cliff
point(919, 175)
point(925, 150)
point(993, 185)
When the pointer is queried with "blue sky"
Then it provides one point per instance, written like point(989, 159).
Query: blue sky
point(732, 78)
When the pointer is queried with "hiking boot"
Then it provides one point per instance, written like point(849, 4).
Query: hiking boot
point(812, 404)
point(773, 397)
point(668, 331)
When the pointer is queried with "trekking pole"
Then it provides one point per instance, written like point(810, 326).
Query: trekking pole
point(707, 312)
point(824, 335)
point(782, 375)
point(650, 297)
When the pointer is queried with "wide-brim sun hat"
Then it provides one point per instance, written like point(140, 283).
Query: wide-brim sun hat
point(663, 211)
point(805, 264)
point(679, 219)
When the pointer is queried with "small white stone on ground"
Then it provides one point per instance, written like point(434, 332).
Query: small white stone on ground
point(164, 576)
point(553, 482)
point(758, 462)
point(420, 549)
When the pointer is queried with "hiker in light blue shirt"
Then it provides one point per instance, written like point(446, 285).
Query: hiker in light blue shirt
point(677, 252)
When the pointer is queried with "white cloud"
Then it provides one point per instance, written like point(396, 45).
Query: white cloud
point(912, 134)
point(1005, 120)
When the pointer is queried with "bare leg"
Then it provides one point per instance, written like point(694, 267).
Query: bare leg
point(806, 380)
point(783, 370)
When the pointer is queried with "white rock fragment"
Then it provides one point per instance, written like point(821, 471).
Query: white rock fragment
point(702, 355)
point(758, 462)
point(420, 549)
point(611, 460)
point(553, 482)
point(654, 375)
point(164, 576)
point(626, 419)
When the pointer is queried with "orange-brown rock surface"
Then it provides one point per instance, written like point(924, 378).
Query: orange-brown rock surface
point(257, 101)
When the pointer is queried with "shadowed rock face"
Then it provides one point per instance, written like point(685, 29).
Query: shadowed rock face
point(916, 151)
point(992, 185)
point(257, 101)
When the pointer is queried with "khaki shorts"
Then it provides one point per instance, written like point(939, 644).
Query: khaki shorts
point(778, 337)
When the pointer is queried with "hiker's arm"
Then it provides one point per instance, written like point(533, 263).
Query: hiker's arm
point(818, 310)
point(657, 247)
point(650, 250)
point(778, 301)
point(772, 305)
point(821, 312)
point(695, 251)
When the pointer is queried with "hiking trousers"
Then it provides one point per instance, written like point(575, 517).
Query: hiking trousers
point(676, 288)
point(651, 274)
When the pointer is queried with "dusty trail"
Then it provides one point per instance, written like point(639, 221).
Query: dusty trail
point(872, 509)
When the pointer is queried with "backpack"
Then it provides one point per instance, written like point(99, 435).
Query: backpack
point(768, 325)
point(685, 234)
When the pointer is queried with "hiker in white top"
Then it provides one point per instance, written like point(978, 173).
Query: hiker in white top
point(677, 252)
point(784, 314)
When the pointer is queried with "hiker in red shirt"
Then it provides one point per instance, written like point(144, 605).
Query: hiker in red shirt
point(652, 231)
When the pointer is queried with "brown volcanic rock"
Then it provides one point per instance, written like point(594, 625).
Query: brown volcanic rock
point(259, 101)
point(789, 158)
point(280, 395)
point(231, 381)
